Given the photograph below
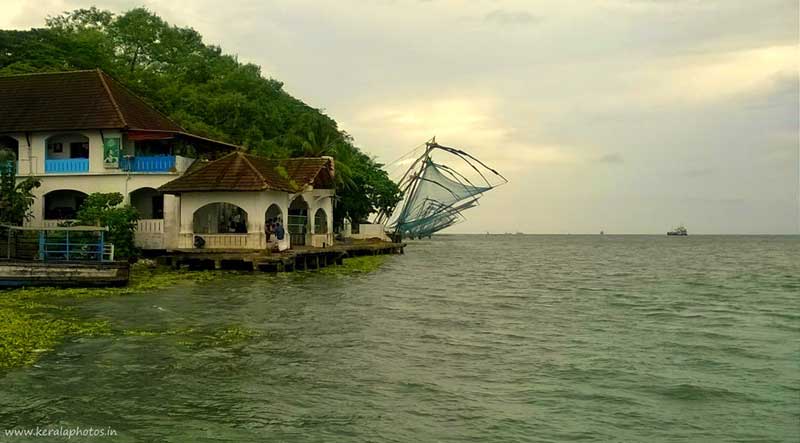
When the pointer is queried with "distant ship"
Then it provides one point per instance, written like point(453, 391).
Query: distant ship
point(680, 230)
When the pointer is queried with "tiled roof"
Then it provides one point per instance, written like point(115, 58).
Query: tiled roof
point(74, 100)
point(238, 171)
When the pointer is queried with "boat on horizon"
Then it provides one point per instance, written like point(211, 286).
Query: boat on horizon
point(679, 231)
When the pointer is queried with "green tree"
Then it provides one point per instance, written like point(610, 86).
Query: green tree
point(16, 199)
point(106, 209)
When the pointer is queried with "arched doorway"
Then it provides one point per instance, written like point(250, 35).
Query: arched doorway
point(320, 222)
point(273, 216)
point(67, 153)
point(62, 204)
point(298, 221)
point(148, 202)
point(219, 218)
point(9, 152)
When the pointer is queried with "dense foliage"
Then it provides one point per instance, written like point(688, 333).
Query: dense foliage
point(207, 92)
point(106, 209)
point(16, 199)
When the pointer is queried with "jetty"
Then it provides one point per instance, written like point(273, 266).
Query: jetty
point(295, 259)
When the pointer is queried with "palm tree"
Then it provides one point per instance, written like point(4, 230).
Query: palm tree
point(319, 139)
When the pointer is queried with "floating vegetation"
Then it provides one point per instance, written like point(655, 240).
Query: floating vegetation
point(25, 335)
point(143, 278)
point(356, 265)
point(34, 320)
point(225, 336)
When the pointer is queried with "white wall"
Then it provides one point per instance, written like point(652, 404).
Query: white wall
point(316, 199)
point(256, 205)
point(66, 140)
point(369, 230)
point(122, 183)
point(178, 210)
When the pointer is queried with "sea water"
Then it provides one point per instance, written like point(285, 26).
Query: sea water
point(463, 338)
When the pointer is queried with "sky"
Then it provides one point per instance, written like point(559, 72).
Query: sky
point(628, 116)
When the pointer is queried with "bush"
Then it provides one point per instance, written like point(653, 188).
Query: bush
point(105, 209)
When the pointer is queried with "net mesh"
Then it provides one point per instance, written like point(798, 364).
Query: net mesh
point(436, 200)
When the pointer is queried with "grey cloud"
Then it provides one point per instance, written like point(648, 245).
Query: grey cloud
point(507, 18)
point(582, 88)
point(611, 159)
point(697, 172)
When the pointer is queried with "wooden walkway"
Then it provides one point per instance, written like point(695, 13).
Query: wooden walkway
point(300, 258)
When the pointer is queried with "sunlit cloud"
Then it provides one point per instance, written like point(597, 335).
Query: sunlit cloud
point(716, 76)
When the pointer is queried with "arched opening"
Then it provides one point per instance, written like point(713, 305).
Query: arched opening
point(67, 153)
point(298, 221)
point(9, 152)
point(148, 202)
point(220, 218)
point(62, 204)
point(272, 217)
point(320, 222)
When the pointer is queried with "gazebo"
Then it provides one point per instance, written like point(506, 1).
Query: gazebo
point(236, 201)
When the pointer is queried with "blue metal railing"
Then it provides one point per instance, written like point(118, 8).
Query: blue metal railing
point(66, 165)
point(160, 163)
point(79, 249)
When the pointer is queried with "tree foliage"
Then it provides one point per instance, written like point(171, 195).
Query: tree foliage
point(16, 199)
point(206, 91)
point(106, 209)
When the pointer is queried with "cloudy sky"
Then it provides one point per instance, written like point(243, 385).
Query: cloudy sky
point(629, 116)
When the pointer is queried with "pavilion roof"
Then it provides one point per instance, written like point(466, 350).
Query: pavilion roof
point(238, 171)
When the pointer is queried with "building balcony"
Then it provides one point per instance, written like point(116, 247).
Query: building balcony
point(66, 166)
point(161, 163)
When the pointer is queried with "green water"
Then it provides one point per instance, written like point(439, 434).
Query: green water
point(464, 338)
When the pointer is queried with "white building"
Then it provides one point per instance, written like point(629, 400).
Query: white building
point(82, 132)
point(234, 201)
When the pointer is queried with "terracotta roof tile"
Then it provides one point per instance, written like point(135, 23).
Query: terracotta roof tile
point(238, 171)
point(74, 100)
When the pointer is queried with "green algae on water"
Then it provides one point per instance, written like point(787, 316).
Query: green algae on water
point(34, 320)
point(357, 265)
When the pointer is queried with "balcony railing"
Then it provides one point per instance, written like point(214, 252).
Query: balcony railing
point(66, 166)
point(150, 226)
point(161, 163)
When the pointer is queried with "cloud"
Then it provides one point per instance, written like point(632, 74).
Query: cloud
point(510, 18)
point(611, 159)
point(710, 77)
point(697, 172)
point(689, 91)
